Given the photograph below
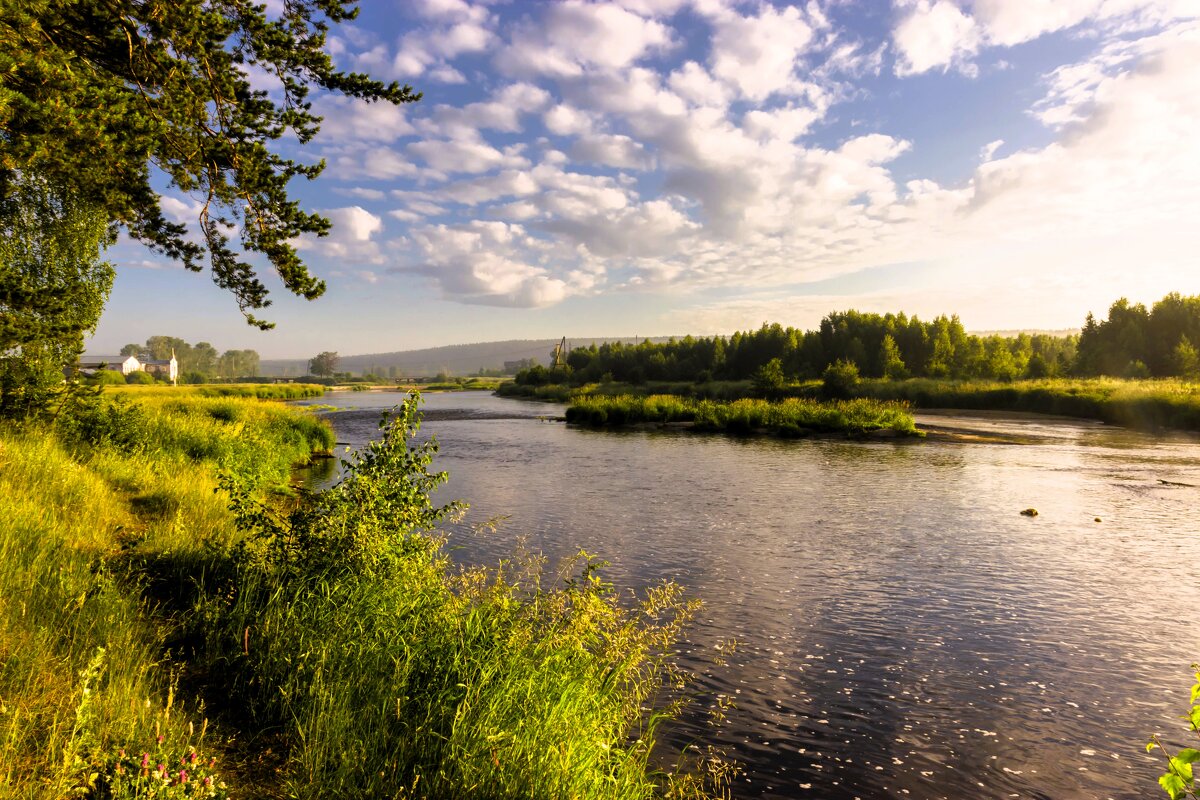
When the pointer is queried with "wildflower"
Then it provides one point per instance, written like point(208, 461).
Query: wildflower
point(207, 781)
point(183, 776)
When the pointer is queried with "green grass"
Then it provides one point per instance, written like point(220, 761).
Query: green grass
point(82, 654)
point(1143, 404)
point(260, 391)
point(789, 417)
point(134, 604)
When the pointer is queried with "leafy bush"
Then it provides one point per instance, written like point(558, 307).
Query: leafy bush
point(109, 377)
point(840, 380)
point(139, 377)
point(1179, 781)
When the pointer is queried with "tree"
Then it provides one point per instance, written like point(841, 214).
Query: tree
point(107, 96)
point(237, 364)
point(769, 378)
point(890, 362)
point(1185, 361)
point(324, 364)
point(53, 287)
point(840, 380)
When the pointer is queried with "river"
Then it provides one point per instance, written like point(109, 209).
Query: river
point(903, 631)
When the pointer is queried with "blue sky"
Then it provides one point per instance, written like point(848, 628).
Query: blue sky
point(651, 167)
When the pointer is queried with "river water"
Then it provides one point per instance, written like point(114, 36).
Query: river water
point(904, 632)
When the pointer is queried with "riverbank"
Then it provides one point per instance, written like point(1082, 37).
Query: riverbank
point(1139, 404)
point(153, 629)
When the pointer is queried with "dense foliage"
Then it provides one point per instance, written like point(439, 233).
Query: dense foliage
point(1132, 342)
point(53, 287)
point(108, 96)
point(327, 634)
point(891, 345)
point(1135, 343)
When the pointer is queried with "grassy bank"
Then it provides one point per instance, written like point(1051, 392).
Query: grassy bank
point(790, 417)
point(290, 644)
point(259, 391)
point(1141, 404)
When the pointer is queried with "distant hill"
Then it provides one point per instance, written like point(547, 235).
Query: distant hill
point(457, 359)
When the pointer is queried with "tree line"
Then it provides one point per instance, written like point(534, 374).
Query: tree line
point(1135, 342)
point(1132, 342)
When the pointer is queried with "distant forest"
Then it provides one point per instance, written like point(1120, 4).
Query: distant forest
point(1132, 342)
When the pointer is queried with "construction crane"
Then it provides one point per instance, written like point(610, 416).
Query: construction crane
point(559, 357)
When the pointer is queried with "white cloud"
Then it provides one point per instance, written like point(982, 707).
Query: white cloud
point(572, 35)
point(693, 83)
point(351, 119)
point(565, 120)
point(486, 263)
point(463, 156)
point(611, 150)
point(351, 237)
point(758, 55)
point(934, 34)
point(940, 33)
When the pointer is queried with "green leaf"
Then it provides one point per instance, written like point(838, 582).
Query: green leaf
point(1194, 718)
point(1173, 786)
point(1181, 768)
point(1188, 755)
point(1195, 693)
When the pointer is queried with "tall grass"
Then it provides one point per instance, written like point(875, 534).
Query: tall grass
point(789, 417)
point(259, 391)
point(392, 672)
point(1145, 404)
point(84, 508)
point(334, 620)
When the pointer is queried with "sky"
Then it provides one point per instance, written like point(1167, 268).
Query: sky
point(666, 167)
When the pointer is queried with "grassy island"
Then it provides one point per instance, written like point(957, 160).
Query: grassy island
point(174, 614)
point(792, 417)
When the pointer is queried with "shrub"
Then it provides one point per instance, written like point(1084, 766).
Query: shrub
point(139, 377)
point(109, 377)
point(840, 380)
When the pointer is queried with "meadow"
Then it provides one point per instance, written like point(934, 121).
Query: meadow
point(178, 620)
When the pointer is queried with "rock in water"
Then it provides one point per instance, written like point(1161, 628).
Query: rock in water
point(1029, 512)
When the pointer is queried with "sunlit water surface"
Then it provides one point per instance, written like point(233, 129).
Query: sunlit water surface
point(903, 631)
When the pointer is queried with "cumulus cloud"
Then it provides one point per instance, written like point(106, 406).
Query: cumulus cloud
point(487, 263)
point(573, 35)
point(351, 238)
point(757, 55)
point(350, 119)
point(939, 34)
point(612, 150)
point(607, 155)
point(934, 34)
